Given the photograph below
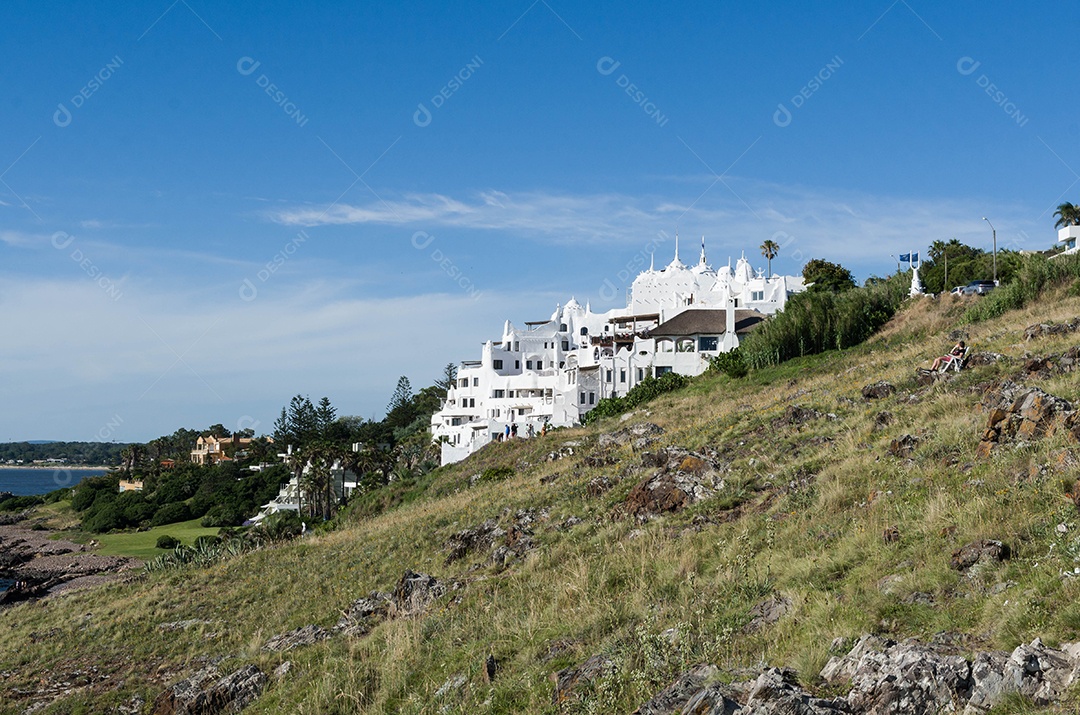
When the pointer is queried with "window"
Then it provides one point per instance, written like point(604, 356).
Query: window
point(517, 364)
point(510, 393)
point(622, 375)
point(476, 382)
point(757, 295)
point(640, 374)
point(584, 331)
point(583, 398)
point(565, 344)
point(562, 327)
point(498, 365)
point(528, 364)
point(706, 343)
point(592, 398)
point(608, 378)
point(499, 394)
point(521, 412)
point(662, 371)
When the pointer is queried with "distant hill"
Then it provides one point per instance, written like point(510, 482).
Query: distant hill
point(41, 441)
point(89, 453)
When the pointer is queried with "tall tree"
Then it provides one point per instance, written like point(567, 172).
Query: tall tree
point(448, 379)
point(1068, 215)
point(770, 249)
point(827, 276)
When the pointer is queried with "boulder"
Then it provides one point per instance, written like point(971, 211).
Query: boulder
point(207, 693)
point(682, 478)
point(985, 550)
point(414, 594)
point(878, 390)
point(794, 416)
point(569, 680)
point(639, 434)
point(364, 614)
point(904, 447)
point(767, 613)
point(672, 699)
point(304, 636)
point(1043, 329)
point(777, 692)
point(1022, 412)
point(889, 677)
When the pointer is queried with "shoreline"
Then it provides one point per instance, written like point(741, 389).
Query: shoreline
point(56, 467)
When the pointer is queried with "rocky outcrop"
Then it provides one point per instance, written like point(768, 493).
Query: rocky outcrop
point(569, 681)
point(1020, 412)
point(1040, 330)
point(767, 613)
point(305, 636)
point(414, 594)
point(984, 551)
point(364, 614)
point(796, 415)
point(878, 390)
point(43, 566)
point(640, 436)
point(903, 447)
point(882, 677)
point(682, 478)
point(501, 545)
point(208, 693)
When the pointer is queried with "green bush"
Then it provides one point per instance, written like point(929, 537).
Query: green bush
point(282, 525)
point(816, 321)
point(171, 514)
point(1035, 275)
point(648, 389)
point(730, 363)
point(220, 516)
point(167, 542)
point(104, 518)
point(495, 474)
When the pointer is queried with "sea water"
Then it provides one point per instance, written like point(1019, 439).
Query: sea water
point(23, 482)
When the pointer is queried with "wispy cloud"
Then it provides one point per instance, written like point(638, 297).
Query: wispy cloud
point(845, 226)
point(22, 239)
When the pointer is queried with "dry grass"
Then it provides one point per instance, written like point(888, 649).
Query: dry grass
point(655, 598)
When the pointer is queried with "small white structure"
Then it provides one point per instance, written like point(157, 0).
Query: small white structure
point(916, 283)
point(1067, 236)
point(554, 371)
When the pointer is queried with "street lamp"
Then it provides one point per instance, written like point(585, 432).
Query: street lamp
point(994, 230)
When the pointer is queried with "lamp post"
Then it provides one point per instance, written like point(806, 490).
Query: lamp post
point(994, 230)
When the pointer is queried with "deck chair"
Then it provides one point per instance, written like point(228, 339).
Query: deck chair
point(955, 362)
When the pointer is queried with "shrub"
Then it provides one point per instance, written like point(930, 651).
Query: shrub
point(104, 518)
point(648, 389)
point(282, 525)
point(816, 321)
point(730, 363)
point(206, 541)
point(1035, 275)
point(171, 514)
point(167, 542)
point(495, 474)
point(221, 515)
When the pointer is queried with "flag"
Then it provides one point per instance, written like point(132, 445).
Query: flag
point(914, 257)
point(905, 258)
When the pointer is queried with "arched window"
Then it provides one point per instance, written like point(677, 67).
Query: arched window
point(584, 331)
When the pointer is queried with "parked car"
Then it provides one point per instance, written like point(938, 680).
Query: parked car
point(958, 290)
point(979, 287)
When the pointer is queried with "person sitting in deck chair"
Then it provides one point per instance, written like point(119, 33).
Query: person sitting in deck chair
point(955, 354)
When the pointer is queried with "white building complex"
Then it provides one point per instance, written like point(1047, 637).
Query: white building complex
point(554, 371)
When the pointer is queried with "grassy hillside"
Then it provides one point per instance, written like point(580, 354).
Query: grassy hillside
point(816, 512)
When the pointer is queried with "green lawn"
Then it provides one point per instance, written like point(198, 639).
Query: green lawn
point(142, 544)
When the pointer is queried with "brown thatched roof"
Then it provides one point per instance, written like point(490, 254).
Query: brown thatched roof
point(706, 322)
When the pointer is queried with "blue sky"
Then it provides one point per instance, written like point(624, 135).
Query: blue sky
point(206, 209)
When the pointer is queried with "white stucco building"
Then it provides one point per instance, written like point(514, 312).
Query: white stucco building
point(555, 370)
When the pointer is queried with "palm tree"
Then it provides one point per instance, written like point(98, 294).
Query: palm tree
point(1068, 215)
point(769, 249)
